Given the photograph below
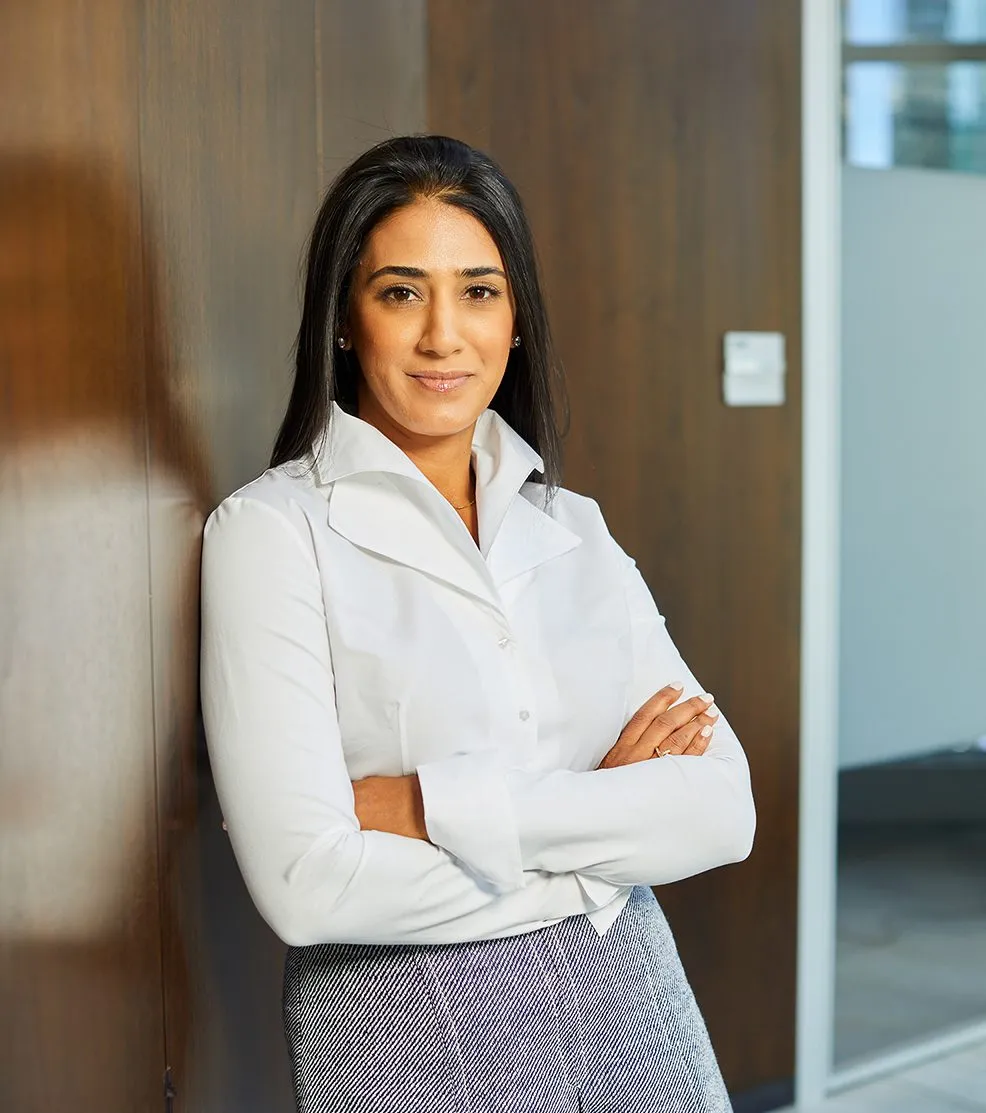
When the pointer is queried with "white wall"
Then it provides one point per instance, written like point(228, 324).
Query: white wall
point(913, 563)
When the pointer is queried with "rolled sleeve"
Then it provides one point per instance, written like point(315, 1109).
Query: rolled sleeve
point(469, 813)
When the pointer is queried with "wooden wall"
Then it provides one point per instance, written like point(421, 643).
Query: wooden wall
point(79, 882)
point(657, 146)
point(160, 166)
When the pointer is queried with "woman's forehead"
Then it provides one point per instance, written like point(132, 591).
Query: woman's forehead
point(430, 235)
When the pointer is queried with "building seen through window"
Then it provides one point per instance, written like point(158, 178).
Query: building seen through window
point(915, 84)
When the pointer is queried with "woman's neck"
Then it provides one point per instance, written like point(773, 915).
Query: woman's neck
point(445, 461)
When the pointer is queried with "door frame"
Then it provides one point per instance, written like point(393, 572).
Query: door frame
point(815, 1073)
point(821, 44)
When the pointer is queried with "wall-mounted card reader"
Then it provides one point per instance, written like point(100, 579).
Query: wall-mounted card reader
point(754, 369)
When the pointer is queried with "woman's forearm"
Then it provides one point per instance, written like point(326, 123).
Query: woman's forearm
point(391, 804)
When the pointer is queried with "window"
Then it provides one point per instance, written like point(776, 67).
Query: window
point(915, 84)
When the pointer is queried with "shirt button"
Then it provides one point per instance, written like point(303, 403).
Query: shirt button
point(503, 643)
point(524, 716)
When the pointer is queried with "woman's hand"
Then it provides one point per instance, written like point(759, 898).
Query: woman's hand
point(659, 729)
point(391, 804)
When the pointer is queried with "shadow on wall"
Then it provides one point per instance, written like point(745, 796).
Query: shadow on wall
point(102, 494)
point(113, 863)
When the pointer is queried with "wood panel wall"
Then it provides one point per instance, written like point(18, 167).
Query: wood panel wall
point(79, 916)
point(228, 112)
point(160, 166)
point(657, 147)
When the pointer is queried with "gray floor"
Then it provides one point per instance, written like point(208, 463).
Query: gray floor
point(955, 1084)
point(911, 935)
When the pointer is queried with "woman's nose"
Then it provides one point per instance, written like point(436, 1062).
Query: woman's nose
point(440, 335)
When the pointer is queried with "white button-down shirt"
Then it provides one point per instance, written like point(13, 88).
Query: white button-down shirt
point(351, 627)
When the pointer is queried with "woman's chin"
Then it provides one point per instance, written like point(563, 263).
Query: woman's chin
point(442, 415)
point(442, 419)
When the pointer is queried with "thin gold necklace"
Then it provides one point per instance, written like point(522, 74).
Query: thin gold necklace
point(465, 504)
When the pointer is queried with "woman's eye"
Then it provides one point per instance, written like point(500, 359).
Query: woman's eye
point(399, 294)
point(482, 293)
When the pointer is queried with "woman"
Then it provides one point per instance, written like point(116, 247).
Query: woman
point(451, 738)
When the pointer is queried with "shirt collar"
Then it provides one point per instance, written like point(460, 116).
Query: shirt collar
point(363, 471)
point(350, 446)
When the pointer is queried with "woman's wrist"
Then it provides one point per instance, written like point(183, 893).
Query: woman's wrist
point(391, 804)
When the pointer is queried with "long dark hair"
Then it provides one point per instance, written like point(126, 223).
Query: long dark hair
point(389, 176)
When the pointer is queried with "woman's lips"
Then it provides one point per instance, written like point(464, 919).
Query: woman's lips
point(441, 384)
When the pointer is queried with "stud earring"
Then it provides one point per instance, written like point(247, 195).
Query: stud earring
point(516, 342)
point(341, 341)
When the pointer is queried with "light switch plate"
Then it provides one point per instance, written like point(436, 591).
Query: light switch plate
point(754, 369)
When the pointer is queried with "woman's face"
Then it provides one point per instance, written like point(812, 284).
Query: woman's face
point(430, 320)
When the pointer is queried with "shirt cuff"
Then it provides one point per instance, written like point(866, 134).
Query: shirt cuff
point(468, 812)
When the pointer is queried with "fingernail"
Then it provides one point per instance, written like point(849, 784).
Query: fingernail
point(706, 732)
point(713, 712)
point(708, 697)
point(677, 685)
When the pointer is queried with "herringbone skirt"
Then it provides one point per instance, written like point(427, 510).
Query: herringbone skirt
point(559, 1020)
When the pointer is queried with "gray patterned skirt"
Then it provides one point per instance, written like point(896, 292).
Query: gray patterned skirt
point(559, 1020)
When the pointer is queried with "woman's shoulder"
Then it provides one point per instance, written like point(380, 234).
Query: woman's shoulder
point(576, 512)
point(562, 504)
point(584, 517)
point(286, 490)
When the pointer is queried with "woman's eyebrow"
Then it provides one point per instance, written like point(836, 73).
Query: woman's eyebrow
point(481, 272)
point(417, 272)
